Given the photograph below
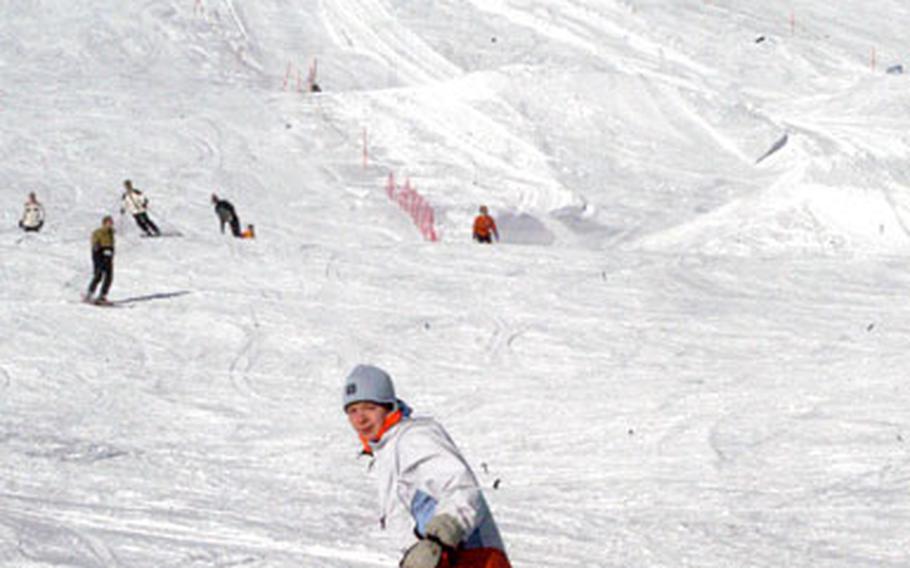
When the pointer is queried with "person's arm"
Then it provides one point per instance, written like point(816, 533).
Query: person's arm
point(445, 498)
point(433, 468)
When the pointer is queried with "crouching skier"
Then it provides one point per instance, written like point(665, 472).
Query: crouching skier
point(422, 473)
point(33, 215)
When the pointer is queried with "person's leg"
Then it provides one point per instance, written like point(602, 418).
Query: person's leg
point(151, 225)
point(141, 221)
point(235, 226)
point(108, 278)
point(96, 278)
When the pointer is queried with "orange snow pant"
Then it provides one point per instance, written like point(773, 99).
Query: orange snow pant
point(476, 558)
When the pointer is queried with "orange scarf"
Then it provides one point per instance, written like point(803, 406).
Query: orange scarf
point(390, 420)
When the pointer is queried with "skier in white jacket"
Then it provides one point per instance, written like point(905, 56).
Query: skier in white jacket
point(33, 216)
point(137, 205)
point(421, 474)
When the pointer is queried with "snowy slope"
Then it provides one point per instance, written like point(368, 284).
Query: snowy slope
point(689, 350)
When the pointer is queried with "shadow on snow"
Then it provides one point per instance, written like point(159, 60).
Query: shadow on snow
point(149, 297)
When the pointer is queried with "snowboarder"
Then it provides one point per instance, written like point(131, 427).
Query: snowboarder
point(422, 473)
point(102, 260)
point(226, 214)
point(33, 216)
point(137, 204)
point(485, 227)
point(249, 232)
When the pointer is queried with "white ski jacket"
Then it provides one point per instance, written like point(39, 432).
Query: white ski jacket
point(33, 216)
point(135, 202)
point(421, 473)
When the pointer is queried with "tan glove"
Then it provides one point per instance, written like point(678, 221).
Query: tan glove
point(424, 554)
point(443, 531)
point(446, 529)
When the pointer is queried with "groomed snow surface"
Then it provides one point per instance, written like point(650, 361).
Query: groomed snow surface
point(690, 349)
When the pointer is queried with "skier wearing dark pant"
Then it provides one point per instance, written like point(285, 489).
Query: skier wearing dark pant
point(137, 204)
point(485, 227)
point(102, 260)
point(227, 215)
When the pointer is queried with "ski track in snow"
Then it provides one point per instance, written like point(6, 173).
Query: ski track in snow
point(706, 368)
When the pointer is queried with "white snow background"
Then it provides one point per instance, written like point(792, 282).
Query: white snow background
point(687, 351)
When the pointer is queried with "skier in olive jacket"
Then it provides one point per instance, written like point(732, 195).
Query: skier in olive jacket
point(102, 260)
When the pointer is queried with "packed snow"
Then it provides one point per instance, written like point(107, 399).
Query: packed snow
point(689, 349)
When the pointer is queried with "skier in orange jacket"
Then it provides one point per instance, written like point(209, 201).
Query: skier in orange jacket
point(485, 227)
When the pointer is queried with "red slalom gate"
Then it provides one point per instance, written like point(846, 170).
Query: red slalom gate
point(415, 205)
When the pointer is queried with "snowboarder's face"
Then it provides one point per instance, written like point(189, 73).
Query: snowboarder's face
point(367, 418)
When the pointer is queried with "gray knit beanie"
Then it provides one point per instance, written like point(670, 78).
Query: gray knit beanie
point(368, 383)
